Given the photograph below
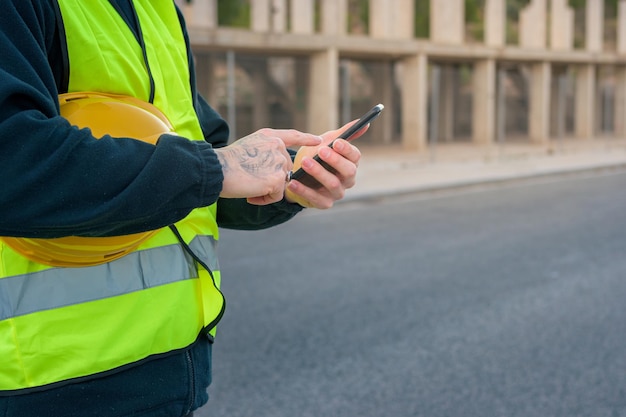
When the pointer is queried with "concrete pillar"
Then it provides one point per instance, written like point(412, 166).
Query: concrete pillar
point(495, 22)
point(594, 30)
point(260, 15)
point(447, 21)
point(199, 13)
point(585, 101)
point(302, 16)
point(334, 17)
point(621, 27)
point(484, 102)
point(415, 102)
point(269, 15)
point(532, 25)
point(379, 15)
point(391, 19)
point(278, 16)
point(620, 102)
point(539, 115)
point(404, 16)
point(562, 25)
point(382, 130)
point(323, 92)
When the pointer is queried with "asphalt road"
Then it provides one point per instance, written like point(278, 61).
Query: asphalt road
point(501, 302)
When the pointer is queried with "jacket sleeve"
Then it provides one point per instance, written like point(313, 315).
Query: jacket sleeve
point(59, 180)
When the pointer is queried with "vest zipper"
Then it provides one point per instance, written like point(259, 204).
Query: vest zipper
point(192, 382)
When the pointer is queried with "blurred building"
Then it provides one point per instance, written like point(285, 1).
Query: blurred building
point(502, 70)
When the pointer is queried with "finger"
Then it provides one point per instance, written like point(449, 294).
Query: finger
point(287, 162)
point(308, 197)
point(292, 137)
point(345, 170)
point(347, 150)
point(273, 194)
point(331, 183)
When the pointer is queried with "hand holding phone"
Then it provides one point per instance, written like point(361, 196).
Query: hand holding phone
point(303, 177)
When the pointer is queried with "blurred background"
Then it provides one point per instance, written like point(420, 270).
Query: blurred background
point(453, 71)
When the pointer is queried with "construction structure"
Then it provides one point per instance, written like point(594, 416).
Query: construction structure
point(301, 64)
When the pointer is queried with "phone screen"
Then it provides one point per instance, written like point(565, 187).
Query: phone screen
point(303, 177)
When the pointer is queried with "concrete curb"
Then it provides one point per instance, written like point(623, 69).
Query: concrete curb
point(376, 196)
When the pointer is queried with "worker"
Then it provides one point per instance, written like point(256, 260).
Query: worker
point(109, 281)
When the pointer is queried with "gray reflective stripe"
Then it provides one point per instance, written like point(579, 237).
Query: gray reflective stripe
point(59, 287)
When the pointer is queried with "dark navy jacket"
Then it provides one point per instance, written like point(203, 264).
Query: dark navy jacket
point(53, 187)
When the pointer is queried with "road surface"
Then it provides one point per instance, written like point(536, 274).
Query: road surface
point(508, 301)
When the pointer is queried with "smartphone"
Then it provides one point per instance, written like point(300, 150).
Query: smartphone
point(303, 177)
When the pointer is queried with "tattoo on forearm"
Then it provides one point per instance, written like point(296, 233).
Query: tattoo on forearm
point(251, 158)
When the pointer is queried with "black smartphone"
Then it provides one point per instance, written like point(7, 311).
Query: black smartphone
point(348, 134)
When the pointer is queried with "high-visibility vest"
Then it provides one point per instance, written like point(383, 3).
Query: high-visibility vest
point(64, 324)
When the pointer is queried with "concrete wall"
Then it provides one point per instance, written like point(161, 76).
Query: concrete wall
point(288, 28)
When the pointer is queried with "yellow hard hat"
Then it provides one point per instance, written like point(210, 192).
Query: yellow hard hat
point(118, 116)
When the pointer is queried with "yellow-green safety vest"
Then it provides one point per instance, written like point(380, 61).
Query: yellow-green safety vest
point(64, 324)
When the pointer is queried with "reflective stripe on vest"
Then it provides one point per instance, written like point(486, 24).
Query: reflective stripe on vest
point(63, 324)
point(30, 293)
